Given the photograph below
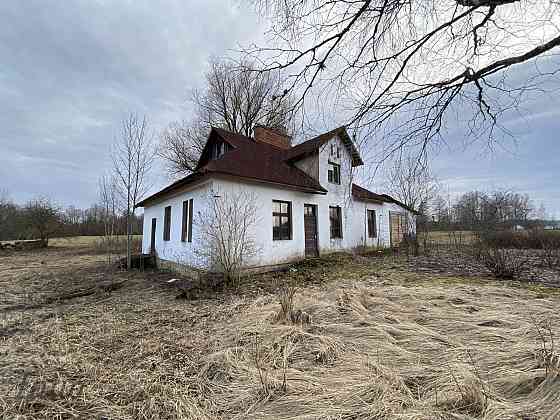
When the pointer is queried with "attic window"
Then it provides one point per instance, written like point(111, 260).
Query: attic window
point(219, 148)
point(334, 173)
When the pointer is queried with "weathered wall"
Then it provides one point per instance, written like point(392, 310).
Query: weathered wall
point(280, 251)
point(175, 249)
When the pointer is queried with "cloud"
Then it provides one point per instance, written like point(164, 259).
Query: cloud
point(71, 70)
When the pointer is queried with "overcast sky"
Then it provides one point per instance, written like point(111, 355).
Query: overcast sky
point(70, 70)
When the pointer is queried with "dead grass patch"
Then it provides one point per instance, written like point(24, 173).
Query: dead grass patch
point(383, 343)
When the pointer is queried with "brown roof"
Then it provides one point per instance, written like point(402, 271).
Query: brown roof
point(247, 159)
point(311, 146)
point(362, 194)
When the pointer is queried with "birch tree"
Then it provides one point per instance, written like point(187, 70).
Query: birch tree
point(133, 155)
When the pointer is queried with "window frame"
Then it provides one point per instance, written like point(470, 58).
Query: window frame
point(190, 221)
point(372, 230)
point(185, 221)
point(281, 236)
point(336, 230)
point(167, 223)
point(334, 169)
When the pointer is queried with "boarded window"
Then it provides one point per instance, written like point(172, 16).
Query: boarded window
point(334, 173)
point(371, 224)
point(281, 220)
point(397, 227)
point(335, 215)
point(167, 224)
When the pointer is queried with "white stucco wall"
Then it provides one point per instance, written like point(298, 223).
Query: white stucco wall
point(273, 252)
point(174, 249)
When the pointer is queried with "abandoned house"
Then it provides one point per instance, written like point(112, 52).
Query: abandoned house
point(306, 203)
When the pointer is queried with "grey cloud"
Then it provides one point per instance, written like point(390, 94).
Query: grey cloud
point(69, 71)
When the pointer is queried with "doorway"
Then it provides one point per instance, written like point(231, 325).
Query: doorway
point(310, 227)
point(153, 237)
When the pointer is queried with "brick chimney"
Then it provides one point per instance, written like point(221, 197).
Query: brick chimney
point(272, 136)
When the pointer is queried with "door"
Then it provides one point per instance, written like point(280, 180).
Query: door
point(397, 228)
point(153, 238)
point(310, 227)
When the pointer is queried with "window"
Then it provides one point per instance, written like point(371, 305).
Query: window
point(281, 220)
point(335, 214)
point(187, 221)
point(191, 212)
point(371, 224)
point(186, 225)
point(167, 224)
point(334, 173)
point(219, 148)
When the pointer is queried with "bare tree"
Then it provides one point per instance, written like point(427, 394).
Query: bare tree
point(412, 182)
point(236, 99)
point(227, 229)
point(402, 68)
point(108, 197)
point(10, 218)
point(133, 156)
point(42, 217)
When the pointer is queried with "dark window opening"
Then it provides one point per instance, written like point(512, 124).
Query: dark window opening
point(167, 224)
point(371, 224)
point(185, 221)
point(334, 173)
point(281, 220)
point(191, 212)
point(335, 215)
point(219, 148)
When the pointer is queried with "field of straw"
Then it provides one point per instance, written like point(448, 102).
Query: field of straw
point(79, 340)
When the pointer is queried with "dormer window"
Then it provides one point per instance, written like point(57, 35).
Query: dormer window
point(334, 173)
point(219, 148)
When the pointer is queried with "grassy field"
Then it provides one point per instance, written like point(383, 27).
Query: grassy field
point(459, 237)
point(85, 241)
point(383, 343)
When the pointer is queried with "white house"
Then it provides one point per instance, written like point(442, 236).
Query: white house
point(306, 202)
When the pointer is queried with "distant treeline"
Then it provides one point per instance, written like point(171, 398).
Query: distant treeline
point(40, 219)
point(477, 210)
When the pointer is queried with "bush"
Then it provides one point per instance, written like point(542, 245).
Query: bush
point(117, 244)
point(503, 263)
point(287, 312)
point(533, 239)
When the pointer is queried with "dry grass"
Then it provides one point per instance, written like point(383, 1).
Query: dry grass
point(383, 343)
point(462, 237)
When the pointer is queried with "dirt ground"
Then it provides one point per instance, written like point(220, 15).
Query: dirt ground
point(81, 340)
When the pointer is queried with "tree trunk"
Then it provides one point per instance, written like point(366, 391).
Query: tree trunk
point(128, 236)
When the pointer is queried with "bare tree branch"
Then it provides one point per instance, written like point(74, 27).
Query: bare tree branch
point(402, 67)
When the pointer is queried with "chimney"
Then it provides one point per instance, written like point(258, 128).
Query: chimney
point(272, 136)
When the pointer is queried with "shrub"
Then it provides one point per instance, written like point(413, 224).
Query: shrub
point(287, 312)
point(503, 263)
point(533, 239)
